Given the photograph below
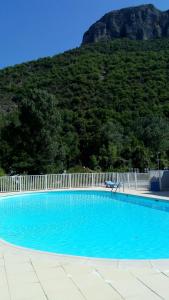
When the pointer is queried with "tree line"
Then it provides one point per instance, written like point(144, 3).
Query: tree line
point(100, 107)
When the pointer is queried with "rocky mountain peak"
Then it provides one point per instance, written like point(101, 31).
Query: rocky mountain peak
point(144, 22)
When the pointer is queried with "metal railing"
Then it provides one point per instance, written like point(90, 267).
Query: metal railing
point(25, 183)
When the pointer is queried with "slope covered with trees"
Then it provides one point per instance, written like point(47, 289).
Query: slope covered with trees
point(104, 106)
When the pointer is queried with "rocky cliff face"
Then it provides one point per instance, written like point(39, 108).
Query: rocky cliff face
point(144, 22)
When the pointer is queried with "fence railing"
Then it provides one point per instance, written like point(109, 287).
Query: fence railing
point(25, 183)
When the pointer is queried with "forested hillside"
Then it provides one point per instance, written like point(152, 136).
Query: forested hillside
point(104, 106)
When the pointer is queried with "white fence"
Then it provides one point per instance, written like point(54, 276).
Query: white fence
point(25, 183)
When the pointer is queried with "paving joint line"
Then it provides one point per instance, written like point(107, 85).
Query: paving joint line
point(109, 283)
point(74, 283)
point(155, 267)
point(152, 264)
point(164, 274)
point(149, 288)
point(45, 294)
point(7, 281)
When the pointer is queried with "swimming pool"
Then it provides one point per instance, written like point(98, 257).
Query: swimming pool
point(87, 223)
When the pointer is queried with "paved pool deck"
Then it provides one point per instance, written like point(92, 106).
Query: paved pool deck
point(33, 275)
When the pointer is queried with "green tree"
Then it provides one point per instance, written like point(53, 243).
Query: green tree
point(33, 140)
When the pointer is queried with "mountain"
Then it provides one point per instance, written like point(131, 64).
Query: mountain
point(144, 22)
point(103, 106)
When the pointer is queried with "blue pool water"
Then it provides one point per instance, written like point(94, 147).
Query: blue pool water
point(87, 223)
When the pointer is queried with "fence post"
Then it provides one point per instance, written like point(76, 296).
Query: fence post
point(70, 181)
point(136, 181)
point(46, 182)
point(20, 184)
point(117, 177)
point(128, 178)
point(160, 185)
point(92, 179)
point(123, 182)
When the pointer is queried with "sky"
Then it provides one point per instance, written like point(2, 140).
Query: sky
point(30, 29)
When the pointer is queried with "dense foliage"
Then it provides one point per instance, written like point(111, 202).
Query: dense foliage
point(104, 106)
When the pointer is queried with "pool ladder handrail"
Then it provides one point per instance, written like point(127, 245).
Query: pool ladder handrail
point(116, 188)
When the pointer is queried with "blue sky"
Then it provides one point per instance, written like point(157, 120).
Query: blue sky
point(30, 29)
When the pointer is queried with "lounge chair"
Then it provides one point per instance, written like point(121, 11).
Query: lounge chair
point(112, 185)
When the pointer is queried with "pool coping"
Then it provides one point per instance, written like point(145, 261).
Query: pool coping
point(120, 263)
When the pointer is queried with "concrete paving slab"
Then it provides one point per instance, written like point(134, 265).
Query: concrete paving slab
point(26, 291)
point(125, 283)
point(91, 284)
point(159, 283)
